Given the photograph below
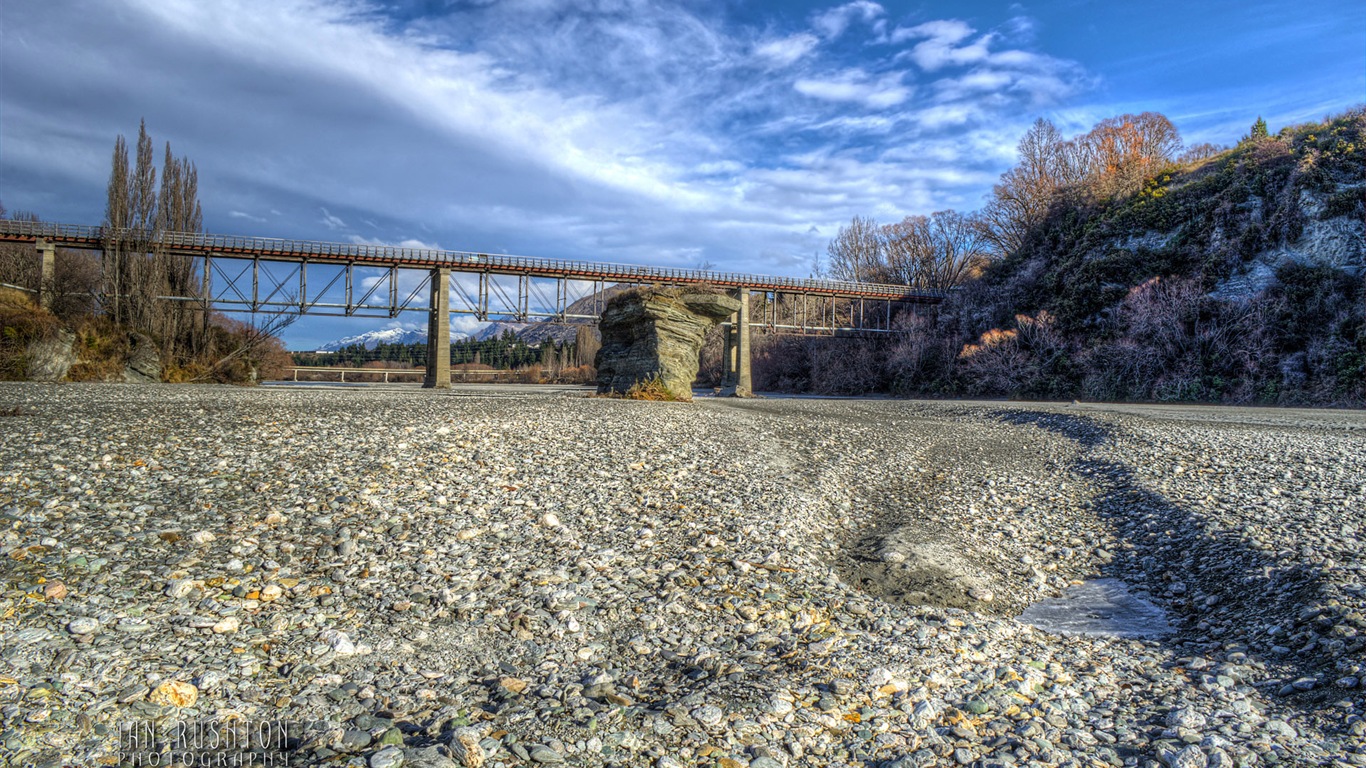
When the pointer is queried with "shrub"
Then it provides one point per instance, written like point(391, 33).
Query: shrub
point(651, 389)
point(920, 359)
point(20, 327)
point(845, 366)
point(579, 374)
point(101, 351)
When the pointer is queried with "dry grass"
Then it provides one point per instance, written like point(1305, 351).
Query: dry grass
point(651, 389)
point(101, 351)
point(19, 327)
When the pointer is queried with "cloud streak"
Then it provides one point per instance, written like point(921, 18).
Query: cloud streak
point(620, 130)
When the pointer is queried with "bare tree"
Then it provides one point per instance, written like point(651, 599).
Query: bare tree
point(252, 342)
point(116, 221)
point(1200, 152)
point(1122, 152)
point(140, 271)
point(181, 325)
point(18, 261)
point(1021, 199)
point(935, 252)
point(854, 252)
point(1114, 158)
point(586, 345)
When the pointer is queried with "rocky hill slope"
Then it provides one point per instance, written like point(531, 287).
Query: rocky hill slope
point(1296, 199)
point(1237, 278)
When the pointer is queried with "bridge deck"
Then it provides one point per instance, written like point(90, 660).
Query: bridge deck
point(272, 249)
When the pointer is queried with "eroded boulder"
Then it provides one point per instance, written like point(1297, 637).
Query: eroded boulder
point(143, 365)
point(656, 333)
point(49, 359)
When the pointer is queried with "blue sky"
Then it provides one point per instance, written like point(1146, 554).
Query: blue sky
point(741, 134)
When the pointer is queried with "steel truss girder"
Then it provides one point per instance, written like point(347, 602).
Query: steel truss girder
point(259, 286)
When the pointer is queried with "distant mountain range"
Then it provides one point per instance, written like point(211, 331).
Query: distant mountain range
point(530, 333)
point(372, 339)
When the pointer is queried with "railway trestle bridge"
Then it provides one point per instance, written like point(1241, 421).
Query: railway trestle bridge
point(259, 274)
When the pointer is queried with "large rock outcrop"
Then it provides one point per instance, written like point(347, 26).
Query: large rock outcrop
point(143, 364)
point(50, 358)
point(1338, 242)
point(656, 333)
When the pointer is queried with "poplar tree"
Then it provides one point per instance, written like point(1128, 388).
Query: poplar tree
point(116, 220)
point(140, 269)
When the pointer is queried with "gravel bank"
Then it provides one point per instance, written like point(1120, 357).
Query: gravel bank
point(431, 580)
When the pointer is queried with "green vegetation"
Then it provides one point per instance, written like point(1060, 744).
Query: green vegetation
point(107, 304)
point(1122, 270)
point(507, 352)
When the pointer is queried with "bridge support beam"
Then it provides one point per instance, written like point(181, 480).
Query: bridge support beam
point(439, 332)
point(735, 374)
point(728, 353)
point(46, 282)
point(743, 387)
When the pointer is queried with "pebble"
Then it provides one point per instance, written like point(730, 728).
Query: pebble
point(708, 603)
point(174, 693)
point(227, 626)
point(178, 588)
point(708, 716)
point(82, 626)
point(464, 745)
point(543, 754)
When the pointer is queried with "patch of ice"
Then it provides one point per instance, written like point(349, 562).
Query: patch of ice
point(1102, 607)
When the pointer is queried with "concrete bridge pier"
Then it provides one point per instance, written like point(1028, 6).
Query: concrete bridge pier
point(48, 254)
point(439, 332)
point(735, 352)
point(743, 387)
point(728, 353)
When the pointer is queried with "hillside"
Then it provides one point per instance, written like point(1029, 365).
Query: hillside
point(1294, 200)
point(535, 332)
point(1120, 265)
point(1236, 278)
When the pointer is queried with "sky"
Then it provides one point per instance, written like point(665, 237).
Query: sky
point(739, 135)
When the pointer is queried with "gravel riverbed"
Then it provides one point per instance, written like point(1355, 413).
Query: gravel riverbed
point(535, 577)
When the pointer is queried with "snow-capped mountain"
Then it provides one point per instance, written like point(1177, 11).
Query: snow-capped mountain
point(532, 333)
point(371, 339)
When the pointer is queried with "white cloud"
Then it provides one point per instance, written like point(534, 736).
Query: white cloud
point(330, 221)
point(855, 85)
point(407, 242)
point(623, 131)
point(832, 23)
point(787, 50)
point(940, 44)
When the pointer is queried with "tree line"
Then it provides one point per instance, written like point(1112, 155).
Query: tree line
point(139, 289)
point(506, 352)
point(947, 248)
point(1098, 267)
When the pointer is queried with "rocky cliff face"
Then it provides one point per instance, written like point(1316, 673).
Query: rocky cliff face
point(1326, 240)
point(143, 364)
point(50, 358)
point(657, 333)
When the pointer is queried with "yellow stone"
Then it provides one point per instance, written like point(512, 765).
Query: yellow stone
point(174, 693)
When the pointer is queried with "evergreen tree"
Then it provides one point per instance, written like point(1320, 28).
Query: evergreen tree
point(1259, 130)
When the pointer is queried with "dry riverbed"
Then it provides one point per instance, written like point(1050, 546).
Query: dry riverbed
point(502, 577)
